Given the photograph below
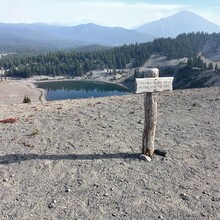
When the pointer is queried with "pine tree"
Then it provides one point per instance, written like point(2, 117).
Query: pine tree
point(210, 66)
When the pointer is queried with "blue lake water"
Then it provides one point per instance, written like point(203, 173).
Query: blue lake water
point(60, 90)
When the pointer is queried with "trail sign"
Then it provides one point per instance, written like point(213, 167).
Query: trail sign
point(150, 86)
point(154, 84)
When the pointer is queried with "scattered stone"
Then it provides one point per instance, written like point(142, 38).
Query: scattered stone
point(160, 217)
point(215, 199)
point(127, 159)
point(145, 157)
point(203, 215)
point(106, 194)
point(114, 214)
point(67, 190)
point(52, 204)
point(196, 104)
point(204, 192)
point(5, 180)
point(140, 122)
point(184, 196)
point(160, 152)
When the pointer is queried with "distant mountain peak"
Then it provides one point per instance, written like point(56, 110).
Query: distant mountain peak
point(185, 12)
point(182, 22)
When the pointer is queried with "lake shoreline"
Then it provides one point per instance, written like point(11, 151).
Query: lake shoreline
point(14, 90)
point(77, 89)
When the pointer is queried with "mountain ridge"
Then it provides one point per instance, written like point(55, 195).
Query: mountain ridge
point(55, 37)
point(61, 37)
point(181, 22)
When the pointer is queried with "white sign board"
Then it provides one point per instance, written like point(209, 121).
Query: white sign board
point(154, 84)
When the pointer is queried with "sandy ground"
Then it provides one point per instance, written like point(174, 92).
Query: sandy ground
point(13, 92)
point(78, 159)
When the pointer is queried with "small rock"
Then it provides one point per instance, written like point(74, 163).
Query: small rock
point(140, 122)
point(160, 152)
point(215, 199)
point(52, 204)
point(145, 157)
point(106, 194)
point(127, 159)
point(114, 214)
point(160, 217)
point(5, 180)
point(203, 215)
point(67, 190)
point(184, 196)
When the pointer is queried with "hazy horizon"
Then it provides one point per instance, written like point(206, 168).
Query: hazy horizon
point(112, 13)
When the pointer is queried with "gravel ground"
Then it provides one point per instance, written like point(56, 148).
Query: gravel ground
point(78, 159)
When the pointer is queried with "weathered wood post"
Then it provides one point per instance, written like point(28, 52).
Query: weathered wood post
point(150, 85)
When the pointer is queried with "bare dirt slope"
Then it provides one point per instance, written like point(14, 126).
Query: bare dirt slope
point(78, 159)
point(13, 91)
point(156, 60)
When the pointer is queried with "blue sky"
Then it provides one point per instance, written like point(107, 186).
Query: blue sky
point(112, 13)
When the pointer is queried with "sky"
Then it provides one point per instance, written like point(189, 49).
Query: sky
point(112, 13)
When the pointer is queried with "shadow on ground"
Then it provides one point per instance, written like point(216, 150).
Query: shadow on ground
point(16, 158)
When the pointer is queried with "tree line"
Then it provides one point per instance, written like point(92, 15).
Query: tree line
point(197, 61)
point(76, 63)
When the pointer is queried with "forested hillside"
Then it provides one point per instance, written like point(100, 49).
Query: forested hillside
point(76, 63)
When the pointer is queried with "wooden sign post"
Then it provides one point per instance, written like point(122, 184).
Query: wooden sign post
point(150, 86)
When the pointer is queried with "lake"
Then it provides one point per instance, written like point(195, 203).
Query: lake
point(60, 90)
